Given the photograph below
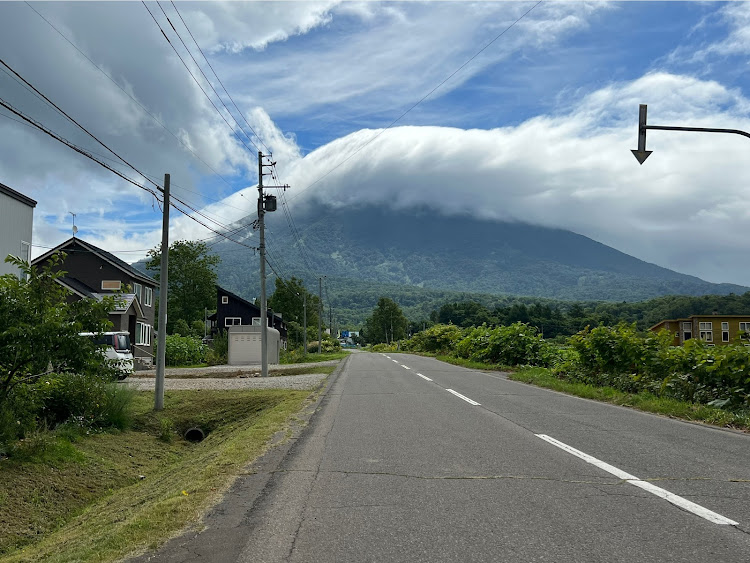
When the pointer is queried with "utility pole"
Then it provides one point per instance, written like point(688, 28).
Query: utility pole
point(161, 341)
point(265, 204)
point(304, 321)
point(261, 226)
point(320, 314)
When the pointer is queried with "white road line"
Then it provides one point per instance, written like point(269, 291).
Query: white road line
point(395, 361)
point(424, 377)
point(460, 396)
point(645, 485)
point(405, 367)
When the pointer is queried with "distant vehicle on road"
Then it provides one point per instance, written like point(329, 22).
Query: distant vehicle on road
point(116, 348)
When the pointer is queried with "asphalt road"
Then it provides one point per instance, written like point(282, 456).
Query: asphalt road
point(394, 466)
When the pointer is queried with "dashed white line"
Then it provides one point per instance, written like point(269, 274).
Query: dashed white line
point(460, 396)
point(424, 377)
point(405, 367)
point(395, 361)
point(645, 485)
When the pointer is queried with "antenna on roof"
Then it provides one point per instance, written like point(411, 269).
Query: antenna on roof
point(75, 229)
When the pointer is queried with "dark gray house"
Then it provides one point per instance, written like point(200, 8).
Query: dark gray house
point(94, 273)
point(233, 310)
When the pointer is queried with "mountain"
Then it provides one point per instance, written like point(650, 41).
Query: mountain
point(419, 248)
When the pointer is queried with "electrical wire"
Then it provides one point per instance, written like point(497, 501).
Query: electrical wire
point(198, 83)
point(151, 115)
point(217, 77)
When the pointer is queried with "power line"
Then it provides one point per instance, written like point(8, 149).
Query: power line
point(89, 133)
point(399, 118)
point(217, 77)
point(128, 95)
point(238, 137)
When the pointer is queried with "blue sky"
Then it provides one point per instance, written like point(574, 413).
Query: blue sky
point(542, 121)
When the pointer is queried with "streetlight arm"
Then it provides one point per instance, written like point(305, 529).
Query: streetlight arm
point(699, 129)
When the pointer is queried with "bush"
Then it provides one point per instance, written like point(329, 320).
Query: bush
point(87, 401)
point(184, 350)
point(438, 339)
point(218, 353)
point(181, 328)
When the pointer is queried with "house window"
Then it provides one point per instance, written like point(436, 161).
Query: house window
point(25, 255)
point(687, 331)
point(745, 327)
point(142, 334)
point(707, 335)
point(706, 326)
point(725, 332)
point(112, 285)
point(148, 296)
point(224, 300)
point(232, 321)
point(138, 290)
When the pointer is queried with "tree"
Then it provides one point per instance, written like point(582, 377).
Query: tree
point(39, 328)
point(192, 280)
point(387, 322)
point(288, 299)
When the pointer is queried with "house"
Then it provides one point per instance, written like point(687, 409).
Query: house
point(91, 272)
point(713, 329)
point(233, 310)
point(16, 219)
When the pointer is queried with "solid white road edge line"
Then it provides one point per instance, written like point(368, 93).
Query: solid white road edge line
point(645, 485)
point(424, 377)
point(460, 396)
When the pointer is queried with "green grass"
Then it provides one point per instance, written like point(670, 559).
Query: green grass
point(470, 363)
point(296, 357)
point(98, 498)
point(328, 370)
point(644, 401)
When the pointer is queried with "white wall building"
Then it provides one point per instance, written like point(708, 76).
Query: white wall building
point(16, 221)
point(244, 345)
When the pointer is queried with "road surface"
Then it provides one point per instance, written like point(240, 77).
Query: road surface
point(410, 459)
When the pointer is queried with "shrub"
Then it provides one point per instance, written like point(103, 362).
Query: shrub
point(438, 339)
point(218, 353)
point(87, 401)
point(184, 350)
point(181, 328)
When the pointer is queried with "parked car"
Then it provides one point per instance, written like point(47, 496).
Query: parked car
point(116, 348)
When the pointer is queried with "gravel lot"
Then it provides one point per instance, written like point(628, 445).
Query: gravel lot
point(307, 381)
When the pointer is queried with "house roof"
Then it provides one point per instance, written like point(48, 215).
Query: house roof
point(103, 254)
point(17, 195)
point(707, 315)
point(77, 286)
point(123, 303)
point(245, 301)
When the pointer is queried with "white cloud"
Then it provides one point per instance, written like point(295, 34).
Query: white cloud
point(685, 208)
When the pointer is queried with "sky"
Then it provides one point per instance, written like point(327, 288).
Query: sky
point(517, 111)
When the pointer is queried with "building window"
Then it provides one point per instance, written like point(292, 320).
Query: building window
point(138, 290)
point(112, 285)
point(707, 335)
point(142, 334)
point(706, 326)
point(724, 326)
point(687, 331)
point(224, 300)
point(148, 296)
point(725, 336)
point(745, 327)
point(232, 321)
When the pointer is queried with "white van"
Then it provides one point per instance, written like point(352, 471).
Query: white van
point(117, 349)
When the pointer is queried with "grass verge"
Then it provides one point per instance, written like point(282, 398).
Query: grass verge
point(104, 495)
point(644, 401)
point(296, 357)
